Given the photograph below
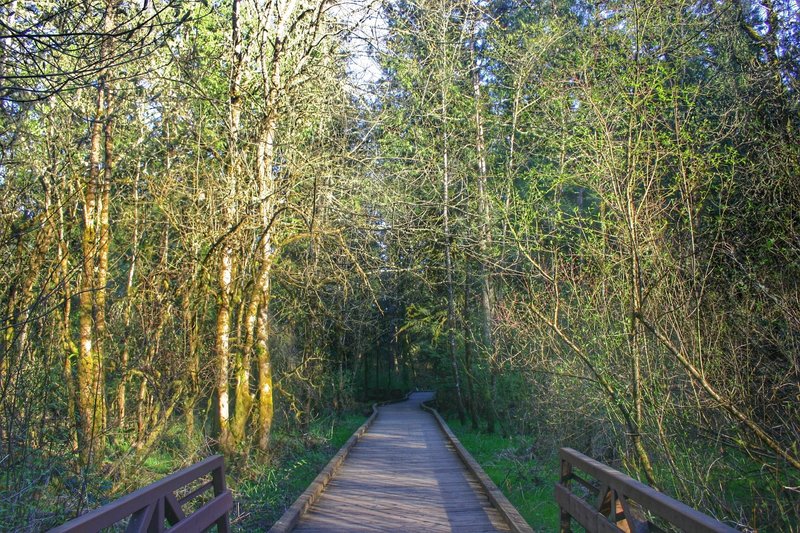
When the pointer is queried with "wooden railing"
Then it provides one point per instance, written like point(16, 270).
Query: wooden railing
point(150, 507)
point(620, 503)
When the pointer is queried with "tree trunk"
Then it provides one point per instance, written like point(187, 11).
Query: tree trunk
point(265, 402)
point(262, 285)
point(487, 293)
point(224, 280)
point(69, 349)
point(468, 370)
point(103, 241)
point(193, 360)
point(125, 356)
point(448, 264)
point(91, 393)
point(226, 259)
point(272, 80)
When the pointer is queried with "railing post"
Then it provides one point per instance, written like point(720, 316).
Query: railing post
point(566, 476)
point(157, 522)
point(218, 478)
point(620, 503)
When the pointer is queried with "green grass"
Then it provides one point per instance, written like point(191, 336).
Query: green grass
point(733, 487)
point(265, 490)
point(160, 464)
point(739, 489)
point(526, 481)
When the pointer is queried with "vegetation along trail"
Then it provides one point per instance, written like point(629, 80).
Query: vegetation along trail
point(230, 226)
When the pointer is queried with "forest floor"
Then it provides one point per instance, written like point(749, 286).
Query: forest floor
point(526, 480)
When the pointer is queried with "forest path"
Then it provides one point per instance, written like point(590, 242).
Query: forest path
point(403, 475)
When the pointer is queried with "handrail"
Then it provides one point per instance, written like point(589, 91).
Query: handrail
point(622, 502)
point(150, 506)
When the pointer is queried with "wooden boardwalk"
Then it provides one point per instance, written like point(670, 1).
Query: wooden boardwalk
point(403, 475)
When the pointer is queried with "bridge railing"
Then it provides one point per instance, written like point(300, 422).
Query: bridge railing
point(168, 500)
point(615, 502)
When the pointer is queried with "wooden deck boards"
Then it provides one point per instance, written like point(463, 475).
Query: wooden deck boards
point(403, 475)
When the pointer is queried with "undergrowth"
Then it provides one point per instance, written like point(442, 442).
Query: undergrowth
point(264, 484)
point(264, 490)
point(525, 479)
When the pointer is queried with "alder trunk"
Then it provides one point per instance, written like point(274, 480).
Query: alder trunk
point(91, 394)
point(224, 280)
point(69, 348)
point(226, 257)
point(487, 292)
point(103, 241)
point(468, 367)
point(265, 386)
point(266, 193)
point(125, 355)
point(448, 265)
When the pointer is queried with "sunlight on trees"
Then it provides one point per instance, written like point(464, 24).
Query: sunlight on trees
point(576, 220)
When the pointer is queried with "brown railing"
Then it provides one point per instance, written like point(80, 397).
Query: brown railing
point(150, 507)
point(620, 503)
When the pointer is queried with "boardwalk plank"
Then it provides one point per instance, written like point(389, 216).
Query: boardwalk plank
point(403, 475)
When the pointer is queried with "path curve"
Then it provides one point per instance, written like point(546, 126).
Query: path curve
point(403, 475)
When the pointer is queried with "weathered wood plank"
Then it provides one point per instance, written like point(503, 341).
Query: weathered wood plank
point(403, 475)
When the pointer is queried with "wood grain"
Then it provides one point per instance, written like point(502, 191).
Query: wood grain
point(403, 475)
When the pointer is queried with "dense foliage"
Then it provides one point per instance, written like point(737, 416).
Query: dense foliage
point(577, 220)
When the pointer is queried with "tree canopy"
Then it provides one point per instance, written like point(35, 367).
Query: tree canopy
point(578, 221)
